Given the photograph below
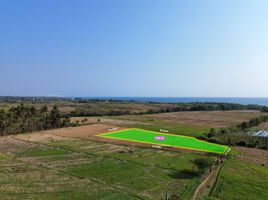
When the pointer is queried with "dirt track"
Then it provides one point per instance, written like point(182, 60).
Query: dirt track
point(203, 184)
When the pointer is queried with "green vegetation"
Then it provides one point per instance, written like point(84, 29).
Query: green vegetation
point(95, 170)
point(202, 164)
point(242, 140)
point(153, 108)
point(70, 168)
point(235, 136)
point(180, 129)
point(196, 124)
point(241, 180)
point(4, 157)
point(246, 125)
point(43, 152)
point(48, 113)
point(21, 119)
point(253, 122)
point(265, 109)
point(143, 136)
point(79, 107)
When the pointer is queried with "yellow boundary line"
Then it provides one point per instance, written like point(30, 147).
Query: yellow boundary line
point(127, 129)
point(188, 148)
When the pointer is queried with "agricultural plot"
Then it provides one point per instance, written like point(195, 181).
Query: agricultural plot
point(163, 139)
point(48, 166)
point(210, 119)
point(194, 124)
point(244, 175)
point(244, 140)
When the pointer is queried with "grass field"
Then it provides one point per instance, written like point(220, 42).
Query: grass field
point(244, 175)
point(67, 164)
point(44, 166)
point(176, 141)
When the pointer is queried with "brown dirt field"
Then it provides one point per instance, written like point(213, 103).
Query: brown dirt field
point(39, 136)
point(211, 119)
point(251, 155)
point(83, 131)
point(66, 109)
point(116, 122)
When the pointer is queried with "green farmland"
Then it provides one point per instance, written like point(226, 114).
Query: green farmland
point(68, 168)
point(44, 165)
point(176, 141)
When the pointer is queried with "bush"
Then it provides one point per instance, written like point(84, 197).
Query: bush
point(202, 137)
point(213, 140)
point(241, 143)
point(203, 163)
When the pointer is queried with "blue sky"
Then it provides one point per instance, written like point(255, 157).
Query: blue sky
point(168, 48)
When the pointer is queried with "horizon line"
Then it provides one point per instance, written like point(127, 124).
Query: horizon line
point(77, 96)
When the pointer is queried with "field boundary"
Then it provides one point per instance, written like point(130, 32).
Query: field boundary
point(103, 135)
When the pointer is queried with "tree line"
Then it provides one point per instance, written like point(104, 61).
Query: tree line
point(234, 135)
point(240, 127)
point(175, 107)
point(264, 109)
point(21, 119)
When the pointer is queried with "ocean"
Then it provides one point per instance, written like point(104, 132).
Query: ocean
point(244, 101)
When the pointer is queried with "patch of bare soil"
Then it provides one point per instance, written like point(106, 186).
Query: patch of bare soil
point(211, 119)
point(252, 155)
point(83, 131)
point(67, 109)
point(39, 136)
point(115, 122)
point(11, 146)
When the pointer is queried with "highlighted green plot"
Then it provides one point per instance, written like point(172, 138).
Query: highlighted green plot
point(163, 139)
